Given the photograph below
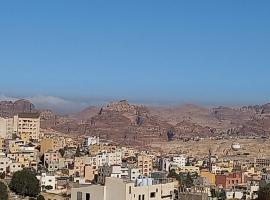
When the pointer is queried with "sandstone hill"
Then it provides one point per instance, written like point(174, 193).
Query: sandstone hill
point(126, 123)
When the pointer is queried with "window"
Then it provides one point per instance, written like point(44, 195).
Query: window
point(139, 197)
point(87, 197)
point(152, 195)
point(129, 189)
point(79, 195)
point(143, 197)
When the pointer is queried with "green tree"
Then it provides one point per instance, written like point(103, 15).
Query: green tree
point(173, 174)
point(40, 197)
point(25, 183)
point(3, 191)
point(62, 152)
point(213, 193)
point(264, 192)
point(189, 180)
point(2, 175)
point(222, 195)
point(78, 152)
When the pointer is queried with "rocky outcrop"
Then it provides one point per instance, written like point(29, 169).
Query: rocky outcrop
point(9, 108)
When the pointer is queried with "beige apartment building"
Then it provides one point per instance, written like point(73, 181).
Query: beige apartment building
point(52, 144)
point(27, 126)
point(121, 189)
point(145, 164)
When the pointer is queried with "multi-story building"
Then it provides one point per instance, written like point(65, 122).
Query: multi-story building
point(210, 177)
point(91, 141)
point(262, 162)
point(79, 165)
point(14, 146)
point(179, 160)
point(4, 163)
point(51, 159)
point(51, 144)
point(89, 173)
point(47, 180)
point(116, 171)
point(230, 180)
point(164, 164)
point(6, 128)
point(134, 173)
point(145, 164)
point(2, 145)
point(121, 189)
point(101, 159)
point(114, 158)
point(27, 126)
point(15, 166)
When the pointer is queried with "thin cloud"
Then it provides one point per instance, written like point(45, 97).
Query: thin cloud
point(57, 104)
point(7, 98)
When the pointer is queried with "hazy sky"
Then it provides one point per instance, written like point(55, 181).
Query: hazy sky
point(208, 52)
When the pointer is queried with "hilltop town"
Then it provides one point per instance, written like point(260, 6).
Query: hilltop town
point(124, 151)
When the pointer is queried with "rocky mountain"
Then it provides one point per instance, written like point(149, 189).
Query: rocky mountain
point(9, 108)
point(139, 125)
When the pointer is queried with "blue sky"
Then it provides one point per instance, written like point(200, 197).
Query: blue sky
point(169, 52)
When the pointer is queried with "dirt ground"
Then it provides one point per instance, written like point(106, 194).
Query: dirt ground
point(250, 148)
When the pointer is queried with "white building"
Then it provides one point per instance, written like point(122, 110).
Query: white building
point(114, 158)
point(179, 160)
point(101, 159)
point(216, 169)
point(91, 141)
point(134, 173)
point(47, 180)
point(6, 128)
point(4, 163)
point(14, 167)
point(234, 194)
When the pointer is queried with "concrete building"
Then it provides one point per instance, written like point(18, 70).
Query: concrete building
point(114, 158)
point(262, 162)
point(164, 164)
point(190, 169)
point(47, 180)
point(120, 189)
point(6, 128)
point(145, 164)
point(79, 165)
point(27, 126)
point(91, 141)
point(210, 178)
point(134, 173)
point(89, 173)
point(51, 144)
point(179, 160)
point(229, 180)
point(4, 163)
point(116, 171)
point(3, 145)
point(14, 146)
point(14, 167)
point(51, 159)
